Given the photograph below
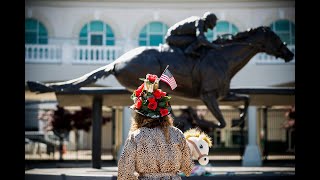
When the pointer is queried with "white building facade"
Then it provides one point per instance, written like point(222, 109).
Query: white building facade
point(65, 21)
point(67, 39)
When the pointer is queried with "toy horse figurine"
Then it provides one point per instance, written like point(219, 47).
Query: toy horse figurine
point(199, 144)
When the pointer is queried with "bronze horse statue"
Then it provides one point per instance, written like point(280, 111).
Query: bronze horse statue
point(207, 77)
point(189, 119)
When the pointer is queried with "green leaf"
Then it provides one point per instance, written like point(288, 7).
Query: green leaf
point(165, 99)
point(133, 95)
point(149, 94)
point(145, 108)
point(162, 104)
point(151, 113)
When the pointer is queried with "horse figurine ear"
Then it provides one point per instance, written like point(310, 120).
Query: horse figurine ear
point(199, 144)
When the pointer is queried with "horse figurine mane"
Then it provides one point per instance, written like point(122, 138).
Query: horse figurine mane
point(197, 133)
point(199, 144)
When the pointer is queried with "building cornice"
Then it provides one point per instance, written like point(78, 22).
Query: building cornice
point(169, 4)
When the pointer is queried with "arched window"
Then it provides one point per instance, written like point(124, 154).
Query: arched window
point(96, 33)
point(222, 27)
point(152, 34)
point(285, 30)
point(35, 32)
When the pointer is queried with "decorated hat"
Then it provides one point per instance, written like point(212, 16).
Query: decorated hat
point(149, 100)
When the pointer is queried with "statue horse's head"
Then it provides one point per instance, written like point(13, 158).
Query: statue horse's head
point(273, 45)
point(199, 144)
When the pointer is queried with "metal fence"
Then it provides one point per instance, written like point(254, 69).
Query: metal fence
point(275, 138)
point(47, 146)
point(228, 143)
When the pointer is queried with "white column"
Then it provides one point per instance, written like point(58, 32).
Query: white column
point(126, 124)
point(66, 53)
point(127, 45)
point(252, 154)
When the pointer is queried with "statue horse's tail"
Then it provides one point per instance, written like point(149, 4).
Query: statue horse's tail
point(73, 84)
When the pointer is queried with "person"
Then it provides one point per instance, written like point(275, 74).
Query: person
point(290, 126)
point(154, 149)
point(188, 34)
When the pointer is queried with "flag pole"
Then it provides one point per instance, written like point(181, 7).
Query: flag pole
point(162, 73)
point(165, 69)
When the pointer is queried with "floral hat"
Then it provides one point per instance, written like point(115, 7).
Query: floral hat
point(149, 100)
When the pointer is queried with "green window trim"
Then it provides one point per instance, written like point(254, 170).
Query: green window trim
point(35, 32)
point(285, 29)
point(96, 33)
point(222, 27)
point(152, 34)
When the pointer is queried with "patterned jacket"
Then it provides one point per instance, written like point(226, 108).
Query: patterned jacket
point(146, 155)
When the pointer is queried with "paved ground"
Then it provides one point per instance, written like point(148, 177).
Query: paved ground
point(216, 170)
point(111, 173)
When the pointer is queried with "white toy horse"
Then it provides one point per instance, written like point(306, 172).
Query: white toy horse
point(199, 144)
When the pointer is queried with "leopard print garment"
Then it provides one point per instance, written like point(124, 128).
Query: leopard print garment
point(146, 155)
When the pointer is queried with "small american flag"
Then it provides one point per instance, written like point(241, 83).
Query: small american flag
point(168, 78)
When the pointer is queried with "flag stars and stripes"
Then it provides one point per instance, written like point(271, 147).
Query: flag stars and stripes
point(168, 78)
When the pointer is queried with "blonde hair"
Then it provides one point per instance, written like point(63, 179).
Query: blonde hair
point(139, 121)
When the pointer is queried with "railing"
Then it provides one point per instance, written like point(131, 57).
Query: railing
point(74, 54)
point(95, 54)
point(45, 146)
point(263, 58)
point(103, 54)
point(42, 53)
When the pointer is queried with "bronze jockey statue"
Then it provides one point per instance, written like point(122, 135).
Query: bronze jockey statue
point(189, 35)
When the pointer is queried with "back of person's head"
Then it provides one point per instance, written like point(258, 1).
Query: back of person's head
point(151, 105)
point(144, 121)
point(210, 19)
point(209, 16)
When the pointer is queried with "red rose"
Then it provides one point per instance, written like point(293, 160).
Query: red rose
point(163, 112)
point(163, 94)
point(152, 100)
point(138, 103)
point(139, 90)
point(157, 93)
point(152, 77)
point(152, 105)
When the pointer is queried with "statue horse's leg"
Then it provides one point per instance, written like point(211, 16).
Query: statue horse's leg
point(73, 84)
point(202, 123)
point(211, 102)
point(239, 97)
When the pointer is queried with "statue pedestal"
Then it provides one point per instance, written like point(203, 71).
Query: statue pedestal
point(126, 124)
point(252, 155)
